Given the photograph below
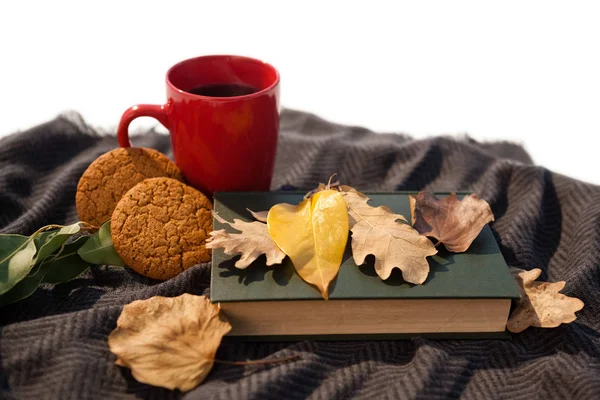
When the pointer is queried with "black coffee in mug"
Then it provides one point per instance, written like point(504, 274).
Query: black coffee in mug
point(223, 90)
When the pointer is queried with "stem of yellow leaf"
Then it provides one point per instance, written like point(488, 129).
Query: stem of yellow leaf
point(330, 179)
point(258, 362)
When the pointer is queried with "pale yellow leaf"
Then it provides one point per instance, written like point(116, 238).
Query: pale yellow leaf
point(169, 342)
point(377, 231)
point(251, 243)
point(541, 305)
point(314, 235)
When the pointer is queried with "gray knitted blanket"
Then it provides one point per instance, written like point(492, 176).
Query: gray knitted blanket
point(53, 345)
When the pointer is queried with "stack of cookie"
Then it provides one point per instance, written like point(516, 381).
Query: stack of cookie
point(159, 225)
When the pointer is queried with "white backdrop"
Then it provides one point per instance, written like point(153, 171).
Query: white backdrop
point(522, 71)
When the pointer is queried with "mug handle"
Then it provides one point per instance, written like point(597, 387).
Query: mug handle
point(158, 112)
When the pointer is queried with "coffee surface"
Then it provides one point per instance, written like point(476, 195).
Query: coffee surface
point(223, 90)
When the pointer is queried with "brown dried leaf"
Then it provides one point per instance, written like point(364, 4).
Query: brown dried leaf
point(169, 342)
point(253, 241)
point(541, 305)
point(376, 230)
point(259, 215)
point(359, 210)
point(455, 223)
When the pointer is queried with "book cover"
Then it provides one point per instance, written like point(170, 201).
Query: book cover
point(480, 272)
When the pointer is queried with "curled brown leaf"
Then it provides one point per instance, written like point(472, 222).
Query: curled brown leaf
point(455, 223)
point(169, 342)
point(541, 305)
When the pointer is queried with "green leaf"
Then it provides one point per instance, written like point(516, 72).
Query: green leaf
point(17, 258)
point(98, 249)
point(57, 268)
point(49, 242)
point(19, 254)
point(26, 286)
point(67, 265)
point(25, 262)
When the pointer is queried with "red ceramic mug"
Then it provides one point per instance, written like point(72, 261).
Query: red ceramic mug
point(223, 116)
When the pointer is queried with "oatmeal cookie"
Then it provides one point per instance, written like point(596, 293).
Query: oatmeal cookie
point(160, 226)
point(112, 174)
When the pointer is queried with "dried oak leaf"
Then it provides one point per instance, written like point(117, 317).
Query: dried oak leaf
point(253, 241)
point(169, 342)
point(455, 223)
point(541, 305)
point(376, 230)
point(259, 215)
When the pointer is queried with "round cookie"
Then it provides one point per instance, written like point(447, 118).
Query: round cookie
point(112, 174)
point(160, 226)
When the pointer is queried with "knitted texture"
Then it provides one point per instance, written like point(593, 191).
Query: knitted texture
point(53, 345)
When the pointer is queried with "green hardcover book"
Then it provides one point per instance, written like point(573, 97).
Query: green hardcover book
point(466, 295)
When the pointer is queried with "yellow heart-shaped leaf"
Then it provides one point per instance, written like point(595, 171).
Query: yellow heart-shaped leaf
point(314, 235)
